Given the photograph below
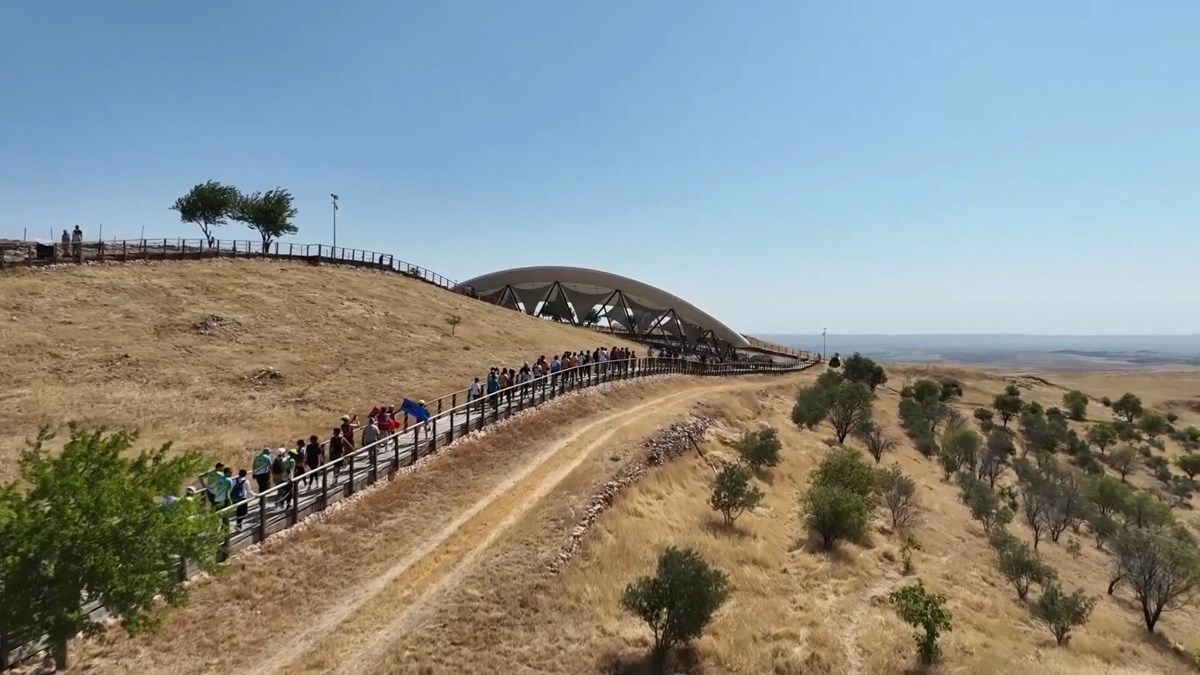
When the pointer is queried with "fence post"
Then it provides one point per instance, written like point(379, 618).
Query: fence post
point(416, 452)
point(453, 405)
point(262, 517)
point(374, 463)
point(350, 480)
point(294, 497)
point(324, 487)
point(164, 249)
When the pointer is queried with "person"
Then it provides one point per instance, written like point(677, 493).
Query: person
point(493, 385)
point(66, 243)
point(77, 243)
point(215, 486)
point(337, 447)
point(279, 474)
point(473, 391)
point(370, 433)
point(313, 454)
point(239, 493)
point(348, 426)
point(261, 469)
point(836, 361)
point(297, 456)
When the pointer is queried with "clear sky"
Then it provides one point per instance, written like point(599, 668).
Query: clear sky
point(867, 167)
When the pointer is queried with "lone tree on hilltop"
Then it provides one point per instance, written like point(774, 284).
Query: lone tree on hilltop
point(925, 611)
point(1128, 407)
point(1076, 403)
point(859, 368)
point(678, 601)
point(269, 213)
point(88, 524)
point(759, 448)
point(733, 493)
point(207, 205)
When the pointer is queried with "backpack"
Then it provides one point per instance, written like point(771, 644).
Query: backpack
point(277, 465)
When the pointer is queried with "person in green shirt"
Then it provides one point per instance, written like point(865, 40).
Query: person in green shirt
point(261, 469)
point(216, 486)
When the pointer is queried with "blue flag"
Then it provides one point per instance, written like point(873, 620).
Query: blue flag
point(414, 410)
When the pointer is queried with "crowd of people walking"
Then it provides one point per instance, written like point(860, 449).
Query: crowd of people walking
point(291, 468)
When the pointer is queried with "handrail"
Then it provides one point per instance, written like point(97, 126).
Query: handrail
point(362, 466)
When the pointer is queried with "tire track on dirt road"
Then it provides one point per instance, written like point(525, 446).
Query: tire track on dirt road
point(352, 636)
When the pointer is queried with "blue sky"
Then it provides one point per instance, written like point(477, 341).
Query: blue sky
point(916, 167)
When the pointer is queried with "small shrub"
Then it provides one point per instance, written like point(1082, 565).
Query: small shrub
point(679, 601)
point(760, 448)
point(925, 611)
point(1074, 548)
point(1106, 402)
point(1019, 564)
point(871, 436)
point(899, 494)
point(835, 513)
point(452, 320)
point(1076, 403)
point(1062, 612)
point(732, 492)
point(906, 552)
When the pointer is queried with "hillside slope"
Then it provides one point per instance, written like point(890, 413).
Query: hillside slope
point(227, 355)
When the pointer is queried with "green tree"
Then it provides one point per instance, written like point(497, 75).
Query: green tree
point(1020, 565)
point(849, 407)
point(951, 389)
point(928, 394)
point(1162, 568)
point(1076, 403)
point(1037, 497)
point(759, 448)
point(1106, 494)
point(1189, 463)
point(982, 501)
point(1101, 435)
point(858, 368)
point(1128, 407)
point(925, 611)
point(207, 205)
point(1145, 511)
point(811, 407)
point(996, 455)
point(733, 493)
point(1123, 461)
point(1153, 426)
point(269, 213)
point(1062, 612)
point(986, 419)
point(898, 493)
point(840, 497)
point(679, 601)
point(87, 525)
point(1008, 406)
point(960, 449)
point(872, 436)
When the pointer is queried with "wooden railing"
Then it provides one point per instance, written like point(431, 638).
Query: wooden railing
point(283, 506)
point(34, 254)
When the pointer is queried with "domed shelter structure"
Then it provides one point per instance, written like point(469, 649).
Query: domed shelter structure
point(610, 302)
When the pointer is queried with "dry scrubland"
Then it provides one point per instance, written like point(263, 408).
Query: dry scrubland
point(792, 607)
point(230, 355)
point(343, 593)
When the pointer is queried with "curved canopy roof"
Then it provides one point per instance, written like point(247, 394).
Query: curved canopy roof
point(629, 303)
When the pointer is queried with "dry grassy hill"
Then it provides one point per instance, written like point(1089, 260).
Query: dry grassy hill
point(228, 355)
point(793, 608)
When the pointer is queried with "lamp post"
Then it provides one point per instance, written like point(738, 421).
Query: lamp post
point(823, 343)
point(335, 209)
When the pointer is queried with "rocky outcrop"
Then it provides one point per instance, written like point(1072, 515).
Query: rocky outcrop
point(669, 443)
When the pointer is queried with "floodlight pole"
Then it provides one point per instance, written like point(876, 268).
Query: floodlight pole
point(335, 210)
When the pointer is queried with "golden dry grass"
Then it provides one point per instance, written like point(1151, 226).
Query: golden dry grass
point(793, 608)
point(118, 345)
point(251, 618)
